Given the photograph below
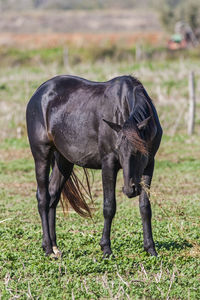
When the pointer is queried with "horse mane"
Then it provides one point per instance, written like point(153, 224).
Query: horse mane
point(142, 110)
point(135, 81)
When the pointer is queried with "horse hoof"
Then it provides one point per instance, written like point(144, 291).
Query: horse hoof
point(107, 253)
point(108, 256)
point(152, 252)
point(43, 247)
point(52, 256)
point(57, 252)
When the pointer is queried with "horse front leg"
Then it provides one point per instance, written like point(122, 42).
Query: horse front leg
point(145, 210)
point(109, 175)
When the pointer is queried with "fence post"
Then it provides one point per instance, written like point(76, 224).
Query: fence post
point(138, 53)
point(65, 57)
point(192, 104)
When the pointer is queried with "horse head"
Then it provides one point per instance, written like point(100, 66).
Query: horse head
point(132, 148)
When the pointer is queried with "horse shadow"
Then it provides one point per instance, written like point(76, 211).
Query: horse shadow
point(173, 245)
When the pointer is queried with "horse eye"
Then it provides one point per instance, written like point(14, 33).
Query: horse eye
point(134, 151)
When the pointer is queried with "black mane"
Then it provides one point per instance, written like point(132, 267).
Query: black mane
point(143, 109)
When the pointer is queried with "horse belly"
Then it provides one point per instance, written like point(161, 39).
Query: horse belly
point(77, 144)
point(81, 155)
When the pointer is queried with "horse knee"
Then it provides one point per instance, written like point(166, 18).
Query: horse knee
point(54, 194)
point(54, 199)
point(43, 202)
point(145, 209)
point(109, 211)
point(42, 206)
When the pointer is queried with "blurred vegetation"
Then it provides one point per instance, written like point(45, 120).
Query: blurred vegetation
point(165, 78)
point(91, 54)
point(72, 4)
point(172, 11)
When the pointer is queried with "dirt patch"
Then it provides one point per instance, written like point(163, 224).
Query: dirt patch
point(24, 189)
point(14, 154)
point(50, 40)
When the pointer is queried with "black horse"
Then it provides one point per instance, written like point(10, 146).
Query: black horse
point(99, 125)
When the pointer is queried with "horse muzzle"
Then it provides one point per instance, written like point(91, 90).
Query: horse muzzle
point(132, 191)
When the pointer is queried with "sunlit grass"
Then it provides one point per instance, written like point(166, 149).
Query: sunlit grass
point(82, 273)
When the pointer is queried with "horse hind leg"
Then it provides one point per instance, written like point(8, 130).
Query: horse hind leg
point(42, 156)
point(61, 172)
point(42, 150)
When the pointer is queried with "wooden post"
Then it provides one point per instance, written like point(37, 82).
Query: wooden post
point(192, 104)
point(138, 53)
point(65, 57)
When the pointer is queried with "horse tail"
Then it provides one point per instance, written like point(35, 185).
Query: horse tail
point(75, 194)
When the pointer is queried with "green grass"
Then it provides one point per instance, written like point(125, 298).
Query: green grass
point(14, 143)
point(25, 272)
point(81, 273)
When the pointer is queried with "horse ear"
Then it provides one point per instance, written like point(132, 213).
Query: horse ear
point(114, 126)
point(142, 125)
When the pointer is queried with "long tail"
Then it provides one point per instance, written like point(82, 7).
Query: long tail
point(75, 194)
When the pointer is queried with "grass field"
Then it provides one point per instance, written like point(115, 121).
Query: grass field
point(25, 272)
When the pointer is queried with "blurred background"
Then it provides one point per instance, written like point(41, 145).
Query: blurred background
point(157, 42)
